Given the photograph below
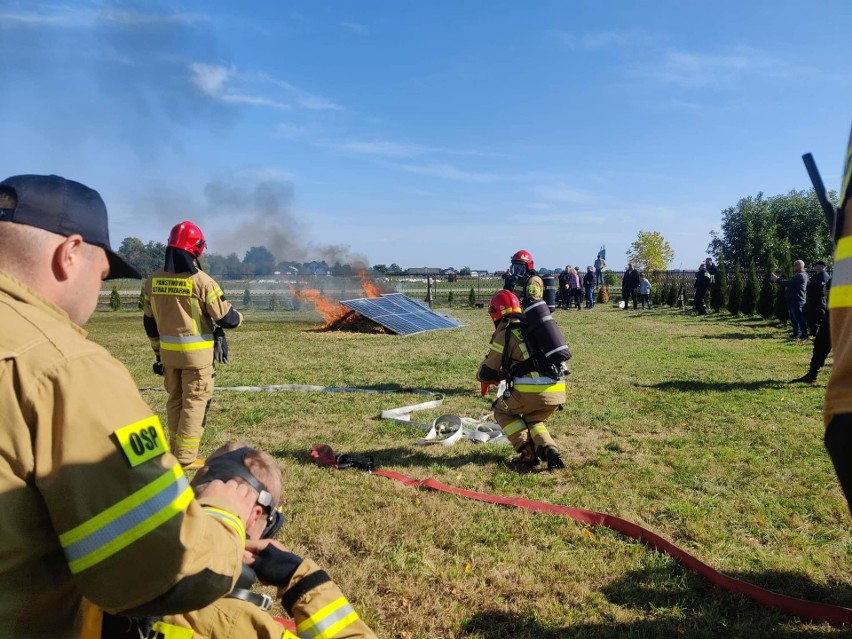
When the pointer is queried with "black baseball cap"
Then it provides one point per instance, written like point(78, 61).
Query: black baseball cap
point(65, 207)
point(819, 263)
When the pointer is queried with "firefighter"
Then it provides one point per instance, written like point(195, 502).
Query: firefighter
point(838, 393)
point(185, 311)
point(97, 513)
point(306, 592)
point(530, 397)
point(522, 271)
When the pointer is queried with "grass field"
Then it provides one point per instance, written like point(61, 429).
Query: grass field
point(685, 425)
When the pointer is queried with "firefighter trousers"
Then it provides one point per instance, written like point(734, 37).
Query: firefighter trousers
point(521, 416)
point(190, 392)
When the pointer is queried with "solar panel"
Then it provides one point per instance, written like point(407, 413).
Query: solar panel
point(401, 314)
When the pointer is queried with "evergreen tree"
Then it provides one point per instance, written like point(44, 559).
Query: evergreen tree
point(719, 290)
point(735, 299)
point(274, 303)
point(471, 297)
point(115, 298)
point(450, 297)
point(752, 288)
point(246, 297)
point(672, 296)
point(768, 290)
point(656, 292)
point(141, 303)
point(785, 271)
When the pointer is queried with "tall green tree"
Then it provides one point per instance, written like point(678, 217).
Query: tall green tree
point(768, 289)
point(650, 252)
point(785, 270)
point(751, 290)
point(758, 227)
point(735, 299)
point(259, 261)
point(719, 290)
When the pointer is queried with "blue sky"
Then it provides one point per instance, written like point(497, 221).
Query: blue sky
point(431, 133)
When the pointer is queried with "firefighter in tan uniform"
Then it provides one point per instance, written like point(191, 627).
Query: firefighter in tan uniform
point(530, 397)
point(182, 303)
point(96, 514)
point(307, 593)
point(838, 394)
point(522, 271)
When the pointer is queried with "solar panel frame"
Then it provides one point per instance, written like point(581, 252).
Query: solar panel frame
point(401, 314)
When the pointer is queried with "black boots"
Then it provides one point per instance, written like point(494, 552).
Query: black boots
point(551, 455)
point(526, 459)
point(808, 378)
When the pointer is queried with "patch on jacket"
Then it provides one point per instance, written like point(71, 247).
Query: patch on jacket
point(142, 440)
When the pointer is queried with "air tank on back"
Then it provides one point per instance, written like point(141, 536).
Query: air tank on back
point(549, 291)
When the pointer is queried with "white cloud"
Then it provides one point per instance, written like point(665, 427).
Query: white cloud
point(449, 172)
point(303, 98)
point(66, 16)
point(564, 194)
point(214, 80)
point(360, 29)
point(616, 38)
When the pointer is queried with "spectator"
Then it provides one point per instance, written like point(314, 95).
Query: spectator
point(815, 297)
point(589, 287)
point(711, 270)
point(645, 290)
point(565, 288)
point(794, 293)
point(600, 265)
point(575, 292)
point(702, 284)
point(630, 286)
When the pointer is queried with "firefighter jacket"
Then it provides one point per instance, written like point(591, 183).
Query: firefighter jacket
point(517, 366)
point(183, 307)
point(838, 393)
point(93, 505)
point(532, 289)
point(314, 601)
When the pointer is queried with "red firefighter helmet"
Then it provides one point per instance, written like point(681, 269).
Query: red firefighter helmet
point(522, 263)
point(188, 237)
point(504, 303)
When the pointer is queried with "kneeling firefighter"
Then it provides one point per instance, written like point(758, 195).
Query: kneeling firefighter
point(530, 356)
point(185, 312)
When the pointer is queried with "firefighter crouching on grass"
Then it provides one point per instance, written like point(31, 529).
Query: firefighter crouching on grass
point(838, 393)
point(530, 398)
point(97, 514)
point(182, 303)
point(522, 271)
point(307, 593)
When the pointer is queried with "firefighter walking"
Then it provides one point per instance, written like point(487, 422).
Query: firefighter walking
point(185, 311)
point(531, 396)
point(522, 271)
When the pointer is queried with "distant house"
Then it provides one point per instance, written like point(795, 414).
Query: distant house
point(449, 271)
point(315, 268)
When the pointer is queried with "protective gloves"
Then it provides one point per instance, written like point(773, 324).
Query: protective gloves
point(157, 367)
point(220, 346)
point(275, 567)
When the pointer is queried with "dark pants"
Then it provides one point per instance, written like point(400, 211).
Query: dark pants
point(822, 345)
point(630, 294)
point(700, 302)
point(838, 443)
point(797, 317)
point(815, 310)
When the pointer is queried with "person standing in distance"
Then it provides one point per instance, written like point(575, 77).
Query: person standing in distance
point(99, 516)
point(630, 286)
point(816, 298)
point(522, 271)
point(794, 293)
point(183, 307)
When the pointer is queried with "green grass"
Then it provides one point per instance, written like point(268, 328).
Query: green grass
point(686, 425)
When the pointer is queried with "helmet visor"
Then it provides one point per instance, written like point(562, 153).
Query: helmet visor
point(518, 269)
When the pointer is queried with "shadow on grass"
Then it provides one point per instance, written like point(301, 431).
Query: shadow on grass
point(412, 457)
point(681, 604)
point(695, 385)
point(742, 336)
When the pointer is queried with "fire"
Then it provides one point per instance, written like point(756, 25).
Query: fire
point(330, 310)
point(370, 288)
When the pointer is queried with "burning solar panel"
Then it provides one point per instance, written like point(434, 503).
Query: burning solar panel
point(401, 314)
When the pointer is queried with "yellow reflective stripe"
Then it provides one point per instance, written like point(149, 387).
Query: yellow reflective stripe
point(541, 388)
point(288, 635)
point(521, 344)
point(187, 442)
point(515, 427)
point(328, 620)
point(229, 518)
point(214, 295)
point(191, 346)
point(844, 249)
point(196, 316)
point(163, 630)
point(840, 296)
point(497, 348)
point(538, 429)
point(130, 519)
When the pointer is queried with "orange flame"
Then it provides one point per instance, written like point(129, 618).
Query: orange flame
point(370, 288)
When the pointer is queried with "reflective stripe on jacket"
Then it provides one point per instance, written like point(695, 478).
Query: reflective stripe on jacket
point(185, 307)
point(94, 504)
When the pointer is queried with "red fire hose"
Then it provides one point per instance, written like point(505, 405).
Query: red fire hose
point(810, 610)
